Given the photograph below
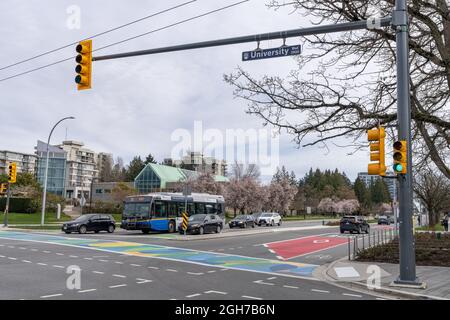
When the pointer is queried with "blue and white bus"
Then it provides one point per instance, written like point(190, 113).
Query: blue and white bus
point(162, 211)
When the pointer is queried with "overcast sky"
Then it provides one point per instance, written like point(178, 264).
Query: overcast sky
point(136, 104)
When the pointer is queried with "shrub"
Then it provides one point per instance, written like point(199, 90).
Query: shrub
point(20, 205)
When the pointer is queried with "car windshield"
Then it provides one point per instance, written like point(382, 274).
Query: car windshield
point(349, 219)
point(241, 218)
point(382, 217)
point(83, 218)
point(197, 217)
point(266, 215)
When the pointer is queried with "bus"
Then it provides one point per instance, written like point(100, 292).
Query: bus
point(162, 211)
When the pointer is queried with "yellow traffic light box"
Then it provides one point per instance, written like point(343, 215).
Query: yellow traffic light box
point(400, 157)
point(377, 151)
point(12, 172)
point(84, 67)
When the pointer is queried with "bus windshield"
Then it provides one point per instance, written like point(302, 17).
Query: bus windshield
point(139, 209)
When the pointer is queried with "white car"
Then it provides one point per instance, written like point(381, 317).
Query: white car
point(269, 219)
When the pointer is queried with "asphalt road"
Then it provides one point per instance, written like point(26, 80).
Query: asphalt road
point(37, 270)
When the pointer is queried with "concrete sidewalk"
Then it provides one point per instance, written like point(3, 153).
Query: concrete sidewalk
point(355, 274)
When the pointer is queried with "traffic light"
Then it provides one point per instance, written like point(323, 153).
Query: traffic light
point(3, 188)
point(84, 67)
point(377, 153)
point(400, 158)
point(12, 172)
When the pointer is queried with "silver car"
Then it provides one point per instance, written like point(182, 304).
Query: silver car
point(269, 219)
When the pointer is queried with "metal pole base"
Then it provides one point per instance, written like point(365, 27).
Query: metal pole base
point(408, 284)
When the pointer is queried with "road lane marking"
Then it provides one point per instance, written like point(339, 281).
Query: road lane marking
point(41, 264)
point(193, 295)
point(34, 250)
point(87, 290)
point(98, 272)
point(135, 265)
point(195, 273)
point(118, 286)
point(218, 292)
point(211, 271)
point(12, 247)
point(271, 278)
point(56, 266)
point(141, 281)
point(352, 295)
point(171, 270)
point(262, 282)
point(22, 248)
point(320, 291)
point(60, 254)
point(101, 260)
point(118, 262)
point(72, 256)
point(119, 276)
point(26, 261)
point(155, 268)
point(12, 258)
point(46, 251)
point(51, 296)
point(1, 256)
point(90, 259)
point(290, 287)
point(253, 298)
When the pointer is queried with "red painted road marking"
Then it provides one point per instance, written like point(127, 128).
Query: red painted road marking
point(289, 249)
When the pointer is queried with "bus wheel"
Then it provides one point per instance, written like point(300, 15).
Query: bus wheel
point(145, 231)
point(171, 227)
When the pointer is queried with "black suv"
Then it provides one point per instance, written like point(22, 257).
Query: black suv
point(203, 223)
point(354, 224)
point(90, 222)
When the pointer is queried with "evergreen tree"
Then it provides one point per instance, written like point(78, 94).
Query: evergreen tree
point(134, 168)
point(150, 159)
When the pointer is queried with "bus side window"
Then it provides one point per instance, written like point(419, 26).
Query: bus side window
point(200, 208)
point(191, 209)
point(159, 209)
point(172, 209)
point(219, 209)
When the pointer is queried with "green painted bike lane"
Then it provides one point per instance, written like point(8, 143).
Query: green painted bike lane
point(210, 259)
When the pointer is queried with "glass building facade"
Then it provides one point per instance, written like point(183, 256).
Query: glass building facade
point(147, 181)
point(56, 176)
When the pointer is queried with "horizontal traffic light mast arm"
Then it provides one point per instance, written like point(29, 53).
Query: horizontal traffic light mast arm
point(348, 26)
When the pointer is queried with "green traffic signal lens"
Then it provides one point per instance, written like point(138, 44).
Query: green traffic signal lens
point(398, 167)
point(78, 79)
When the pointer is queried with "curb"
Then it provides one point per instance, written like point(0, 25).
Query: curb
point(384, 290)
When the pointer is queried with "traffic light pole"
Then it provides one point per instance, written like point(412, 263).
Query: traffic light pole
point(8, 196)
point(405, 194)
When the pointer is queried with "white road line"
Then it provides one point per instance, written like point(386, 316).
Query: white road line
point(134, 265)
point(11, 258)
point(240, 247)
point(46, 251)
point(220, 249)
point(352, 295)
point(51, 296)
point(280, 258)
point(98, 272)
point(195, 273)
point(119, 276)
point(87, 290)
point(321, 291)
point(253, 298)
point(141, 281)
point(172, 299)
point(380, 299)
point(2, 245)
point(118, 262)
point(1, 256)
point(223, 269)
point(230, 248)
point(41, 264)
point(193, 295)
point(12, 247)
point(118, 286)
point(60, 254)
point(155, 268)
point(56, 266)
point(34, 250)
point(22, 248)
point(212, 271)
point(87, 258)
point(26, 261)
point(171, 270)
point(72, 256)
point(262, 282)
point(218, 292)
point(290, 287)
point(271, 278)
point(101, 260)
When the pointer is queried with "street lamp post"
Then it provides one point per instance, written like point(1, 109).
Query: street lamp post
point(44, 194)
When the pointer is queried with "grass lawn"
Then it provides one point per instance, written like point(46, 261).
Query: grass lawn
point(437, 227)
point(32, 218)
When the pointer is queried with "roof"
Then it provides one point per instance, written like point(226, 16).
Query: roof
point(173, 174)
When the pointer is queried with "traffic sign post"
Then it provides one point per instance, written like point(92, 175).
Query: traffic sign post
point(184, 223)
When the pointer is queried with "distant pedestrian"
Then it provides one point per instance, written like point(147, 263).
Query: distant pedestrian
point(445, 223)
point(418, 220)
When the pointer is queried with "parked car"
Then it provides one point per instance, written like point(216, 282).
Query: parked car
point(242, 221)
point(90, 222)
point(354, 224)
point(384, 220)
point(203, 223)
point(269, 219)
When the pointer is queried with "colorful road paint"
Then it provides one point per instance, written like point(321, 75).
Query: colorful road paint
point(288, 249)
point(210, 259)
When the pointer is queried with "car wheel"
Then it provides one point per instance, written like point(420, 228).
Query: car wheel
point(230, 226)
point(97, 231)
point(68, 232)
point(145, 231)
point(253, 225)
point(171, 227)
point(245, 225)
point(82, 230)
point(201, 230)
point(272, 223)
point(218, 229)
point(111, 228)
point(359, 230)
point(342, 231)
point(279, 223)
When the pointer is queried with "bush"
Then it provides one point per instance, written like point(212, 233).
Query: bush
point(104, 207)
point(20, 205)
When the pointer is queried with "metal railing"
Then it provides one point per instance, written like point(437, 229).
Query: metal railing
point(361, 242)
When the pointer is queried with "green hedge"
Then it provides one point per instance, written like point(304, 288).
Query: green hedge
point(19, 205)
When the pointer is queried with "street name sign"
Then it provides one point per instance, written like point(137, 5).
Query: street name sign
point(283, 51)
